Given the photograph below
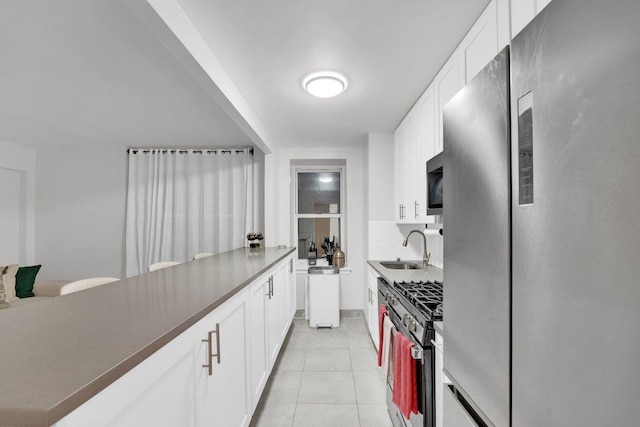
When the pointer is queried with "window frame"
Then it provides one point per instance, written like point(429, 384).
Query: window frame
point(295, 170)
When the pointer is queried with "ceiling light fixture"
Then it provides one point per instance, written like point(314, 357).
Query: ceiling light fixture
point(325, 179)
point(325, 84)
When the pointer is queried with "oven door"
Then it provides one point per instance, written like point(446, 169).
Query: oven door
point(424, 380)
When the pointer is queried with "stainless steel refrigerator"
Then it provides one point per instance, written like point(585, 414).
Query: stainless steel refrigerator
point(542, 239)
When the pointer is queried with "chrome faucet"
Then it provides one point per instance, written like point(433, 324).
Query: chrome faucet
point(425, 255)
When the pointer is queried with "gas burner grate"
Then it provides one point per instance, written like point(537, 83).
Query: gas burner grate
point(426, 297)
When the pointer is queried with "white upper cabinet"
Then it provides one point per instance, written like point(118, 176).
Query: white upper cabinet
point(480, 44)
point(426, 141)
point(446, 84)
point(420, 135)
point(405, 152)
point(523, 11)
point(398, 145)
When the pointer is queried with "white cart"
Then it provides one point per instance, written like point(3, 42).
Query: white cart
point(324, 297)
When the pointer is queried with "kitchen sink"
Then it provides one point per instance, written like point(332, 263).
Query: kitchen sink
point(401, 265)
point(324, 269)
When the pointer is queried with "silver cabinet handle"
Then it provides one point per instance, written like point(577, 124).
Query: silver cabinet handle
point(270, 291)
point(416, 209)
point(291, 265)
point(400, 206)
point(210, 352)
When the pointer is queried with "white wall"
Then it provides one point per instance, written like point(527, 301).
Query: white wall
point(80, 212)
point(381, 188)
point(279, 220)
point(18, 168)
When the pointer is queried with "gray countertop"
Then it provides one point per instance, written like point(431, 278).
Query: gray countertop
point(430, 273)
point(59, 352)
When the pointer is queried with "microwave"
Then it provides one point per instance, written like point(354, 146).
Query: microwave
point(434, 185)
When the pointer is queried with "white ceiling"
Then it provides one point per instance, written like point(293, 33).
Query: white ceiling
point(78, 72)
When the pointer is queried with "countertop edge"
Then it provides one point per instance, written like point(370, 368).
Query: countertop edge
point(430, 273)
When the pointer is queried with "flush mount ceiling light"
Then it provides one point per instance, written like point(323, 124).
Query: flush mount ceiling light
point(325, 84)
point(325, 179)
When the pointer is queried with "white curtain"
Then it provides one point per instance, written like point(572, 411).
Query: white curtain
point(181, 202)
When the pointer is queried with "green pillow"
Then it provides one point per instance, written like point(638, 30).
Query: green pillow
point(25, 278)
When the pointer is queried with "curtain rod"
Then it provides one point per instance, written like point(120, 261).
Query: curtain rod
point(174, 150)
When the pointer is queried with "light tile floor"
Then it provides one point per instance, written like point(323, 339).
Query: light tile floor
point(325, 377)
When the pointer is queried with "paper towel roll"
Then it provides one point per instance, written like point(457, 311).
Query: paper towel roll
point(432, 232)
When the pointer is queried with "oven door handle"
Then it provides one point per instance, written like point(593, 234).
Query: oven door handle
point(416, 352)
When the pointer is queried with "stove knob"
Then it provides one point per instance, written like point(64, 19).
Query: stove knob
point(412, 326)
point(405, 319)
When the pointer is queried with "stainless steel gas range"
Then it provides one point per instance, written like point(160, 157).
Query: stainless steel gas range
point(413, 307)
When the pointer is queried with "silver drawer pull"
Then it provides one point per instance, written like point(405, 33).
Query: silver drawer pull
point(210, 352)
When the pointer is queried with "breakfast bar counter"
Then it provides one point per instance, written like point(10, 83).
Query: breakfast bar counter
point(58, 353)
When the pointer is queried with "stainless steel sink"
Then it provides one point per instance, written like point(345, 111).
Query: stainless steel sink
point(401, 265)
point(324, 269)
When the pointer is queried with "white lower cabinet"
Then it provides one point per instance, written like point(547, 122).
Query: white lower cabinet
point(223, 390)
point(277, 311)
point(240, 340)
point(258, 294)
point(439, 379)
point(373, 307)
point(160, 391)
point(292, 289)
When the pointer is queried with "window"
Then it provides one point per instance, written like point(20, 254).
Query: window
point(319, 207)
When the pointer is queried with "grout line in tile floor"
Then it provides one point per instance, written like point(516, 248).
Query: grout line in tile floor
point(325, 394)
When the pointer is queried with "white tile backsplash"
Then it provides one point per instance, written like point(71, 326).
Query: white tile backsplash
point(386, 237)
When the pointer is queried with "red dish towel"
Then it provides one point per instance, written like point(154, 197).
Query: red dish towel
point(405, 388)
point(381, 315)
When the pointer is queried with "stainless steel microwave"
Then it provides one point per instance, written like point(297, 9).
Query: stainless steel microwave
point(434, 185)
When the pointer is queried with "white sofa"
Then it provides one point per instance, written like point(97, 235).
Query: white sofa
point(43, 289)
point(54, 288)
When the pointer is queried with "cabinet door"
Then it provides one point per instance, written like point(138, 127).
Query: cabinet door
point(439, 379)
point(480, 44)
point(224, 397)
point(410, 168)
point(372, 318)
point(291, 289)
point(259, 356)
point(406, 151)
point(446, 84)
point(523, 11)
point(159, 391)
point(272, 322)
point(281, 295)
point(426, 136)
point(399, 147)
